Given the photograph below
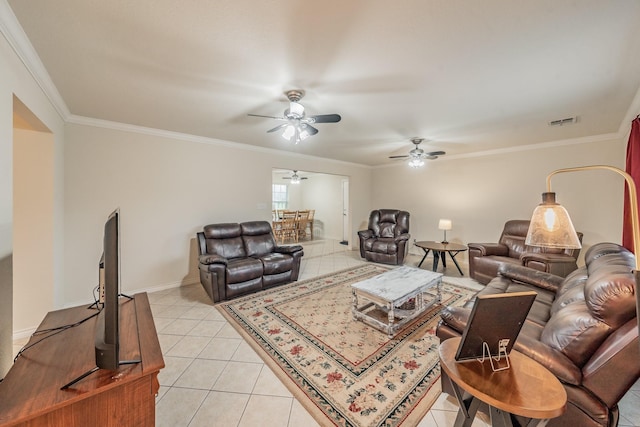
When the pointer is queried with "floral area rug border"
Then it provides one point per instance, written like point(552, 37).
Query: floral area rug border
point(342, 371)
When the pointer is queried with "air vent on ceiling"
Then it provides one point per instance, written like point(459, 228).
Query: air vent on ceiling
point(565, 121)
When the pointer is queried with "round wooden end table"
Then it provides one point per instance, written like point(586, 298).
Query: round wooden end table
point(440, 249)
point(526, 389)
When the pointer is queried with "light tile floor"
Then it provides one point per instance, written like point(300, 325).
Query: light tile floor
point(213, 378)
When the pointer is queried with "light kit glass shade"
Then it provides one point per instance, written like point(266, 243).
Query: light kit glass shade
point(296, 132)
point(416, 162)
point(551, 226)
point(444, 224)
point(295, 179)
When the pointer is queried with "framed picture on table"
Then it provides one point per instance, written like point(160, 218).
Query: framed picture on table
point(494, 325)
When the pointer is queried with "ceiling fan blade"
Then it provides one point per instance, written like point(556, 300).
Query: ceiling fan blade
point(436, 153)
point(277, 128)
point(267, 117)
point(398, 157)
point(326, 118)
point(312, 131)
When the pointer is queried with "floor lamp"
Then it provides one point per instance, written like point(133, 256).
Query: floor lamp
point(551, 226)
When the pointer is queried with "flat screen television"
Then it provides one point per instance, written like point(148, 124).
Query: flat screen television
point(107, 332)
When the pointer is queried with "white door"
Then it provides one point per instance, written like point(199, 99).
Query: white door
point(345, 212)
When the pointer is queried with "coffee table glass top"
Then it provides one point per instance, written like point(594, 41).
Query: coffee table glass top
point(397, 283)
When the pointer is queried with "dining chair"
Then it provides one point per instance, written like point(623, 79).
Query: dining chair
point(289, 225)
point(302, 220)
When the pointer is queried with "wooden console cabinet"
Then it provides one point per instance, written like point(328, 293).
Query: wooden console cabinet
point(30, 394)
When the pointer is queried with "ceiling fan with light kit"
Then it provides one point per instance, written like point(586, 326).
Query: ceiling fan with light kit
point(295, 178)
point(298, 126)
point(417, 155)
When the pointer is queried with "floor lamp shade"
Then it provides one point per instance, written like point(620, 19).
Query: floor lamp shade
point(551, 226)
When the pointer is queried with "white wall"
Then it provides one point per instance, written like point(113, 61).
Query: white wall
point(16, 80)
point(480, 193)
point(166, 189)
point(323, 193)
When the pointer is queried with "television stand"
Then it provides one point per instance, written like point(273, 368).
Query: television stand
point(30, 392)
point(95, 369)
point(99, 305)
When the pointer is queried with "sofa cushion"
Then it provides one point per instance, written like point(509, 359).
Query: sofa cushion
point(224, 240)
point(257, 238)
point(382, 245)
point(227, 248)
point(588, 309)
point(275, 263)
point(222, 231)
point(237, 289)
point(243, 269)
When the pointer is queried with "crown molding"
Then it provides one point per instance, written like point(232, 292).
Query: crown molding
point(19, 42)
point(529, 147)
point(124, 127)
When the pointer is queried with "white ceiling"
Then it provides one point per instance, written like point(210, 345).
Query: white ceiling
point(468, 76)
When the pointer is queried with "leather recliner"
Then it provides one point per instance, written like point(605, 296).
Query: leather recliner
point(237, 259)
point(582, 328)
point(385, 240)
point(486, 258)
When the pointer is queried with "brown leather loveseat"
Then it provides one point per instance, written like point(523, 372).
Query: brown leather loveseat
point(583, 328)
point(237, 259)
point(486, 258)
point(385, 239)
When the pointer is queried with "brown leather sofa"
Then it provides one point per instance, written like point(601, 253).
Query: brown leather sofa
point(386, 238)
point(486, 258)
point(583, 328)
point(237, 259)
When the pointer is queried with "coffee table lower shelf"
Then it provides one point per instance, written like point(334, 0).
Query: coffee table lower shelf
point(387, 316)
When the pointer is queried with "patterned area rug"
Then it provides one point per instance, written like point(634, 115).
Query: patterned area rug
point(344, 372)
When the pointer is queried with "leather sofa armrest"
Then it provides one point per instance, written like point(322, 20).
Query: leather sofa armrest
point(558, 264)
point(212, 259)
point(365, 234)
point(554, 360)
point(489, 248)
point(531, 277)
point(546, 258)
point(402, 237)
point(455, 317)
point(287, 249)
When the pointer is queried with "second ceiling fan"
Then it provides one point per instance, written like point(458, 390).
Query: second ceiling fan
point(417, 155)
point(295, 178)
point(298, 126)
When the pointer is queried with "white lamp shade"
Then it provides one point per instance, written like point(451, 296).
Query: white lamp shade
point(444, 224)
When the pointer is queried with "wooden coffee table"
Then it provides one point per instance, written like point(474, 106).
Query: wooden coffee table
point(439, 251)
point(395, 297)
point(526, 389)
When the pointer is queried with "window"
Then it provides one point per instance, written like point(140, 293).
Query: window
point(279, 196)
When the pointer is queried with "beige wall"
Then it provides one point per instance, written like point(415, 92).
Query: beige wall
point(32, 228)
point(480, 193)
point(166, 189)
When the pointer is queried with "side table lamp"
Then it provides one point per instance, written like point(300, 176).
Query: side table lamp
point(444, 224)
